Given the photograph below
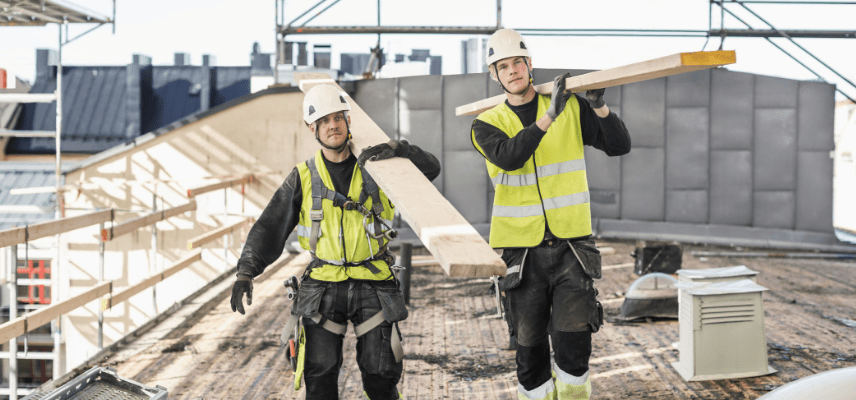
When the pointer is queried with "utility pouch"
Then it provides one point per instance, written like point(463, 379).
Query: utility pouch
point(588, 256)
point(392, 303)
point(308, 299)
point(514, 260)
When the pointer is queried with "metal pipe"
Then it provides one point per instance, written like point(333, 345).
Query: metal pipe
point(842, 256)
point(473, 30)
point(304, 13)
point(790, 55)
point(810, 34)
point(321, 12)
point(498, 14)
point(154, 266)
point(406, 257)
point(797, 44)
point(12, 278)
point(55, 268)
point(101, 279)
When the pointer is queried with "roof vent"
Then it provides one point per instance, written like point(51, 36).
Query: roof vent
point(722, 331)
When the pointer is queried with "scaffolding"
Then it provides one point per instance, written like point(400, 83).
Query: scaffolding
point(725, 6)
point(41, 13)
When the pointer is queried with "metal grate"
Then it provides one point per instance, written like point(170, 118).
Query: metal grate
point(99, 390)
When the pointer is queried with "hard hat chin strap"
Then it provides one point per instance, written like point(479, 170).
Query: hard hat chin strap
point(339, 148)
point(496, 71)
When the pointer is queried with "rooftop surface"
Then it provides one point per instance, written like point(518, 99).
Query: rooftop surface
point(456, 347)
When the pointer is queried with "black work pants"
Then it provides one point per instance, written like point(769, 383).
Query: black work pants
point(353, 301)
point(555, 297)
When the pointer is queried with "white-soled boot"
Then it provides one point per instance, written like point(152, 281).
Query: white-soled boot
point(547, 391)
point(569, 387)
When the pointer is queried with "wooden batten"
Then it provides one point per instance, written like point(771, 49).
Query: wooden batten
point(126, 294)
point(115, 231)
point(216, 234)
point(641, 71)
point(13, 236)
point(459, 249)
point(249, 178)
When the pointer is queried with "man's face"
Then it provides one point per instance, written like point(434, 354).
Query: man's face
point(513, 74)
point(332, 130)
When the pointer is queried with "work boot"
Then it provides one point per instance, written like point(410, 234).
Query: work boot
point(570, 387)
point(547, 391)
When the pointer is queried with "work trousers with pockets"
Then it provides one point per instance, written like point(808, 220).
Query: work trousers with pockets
point(354, 301)
point(557, 298)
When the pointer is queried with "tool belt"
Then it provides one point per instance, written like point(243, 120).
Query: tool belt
point(307, 303)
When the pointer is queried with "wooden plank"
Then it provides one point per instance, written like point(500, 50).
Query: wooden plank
point(137, 223)
point(126, 294)
point(215, 234)
point(15, 236)
point(641, 71)
point(12, 329)
point(459, 249)
point(249, 178)
point(44, 315)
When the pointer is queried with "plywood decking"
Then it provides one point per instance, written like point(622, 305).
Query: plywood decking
point(455, 348)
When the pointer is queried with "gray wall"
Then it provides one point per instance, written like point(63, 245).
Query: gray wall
point(712, 147)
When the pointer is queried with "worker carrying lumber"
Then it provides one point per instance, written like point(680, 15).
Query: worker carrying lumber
point(344, 220)
point(533, 146)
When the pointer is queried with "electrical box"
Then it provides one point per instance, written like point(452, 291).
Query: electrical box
point(722, 333)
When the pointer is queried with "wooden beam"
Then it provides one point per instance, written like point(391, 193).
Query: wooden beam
point(215, 234)
point(456, 245)
point(249, 178)
point(32, 321)
point(126, 294)
point(15, 236)
point(44, 315)
point(641, 71)
point(115, 231)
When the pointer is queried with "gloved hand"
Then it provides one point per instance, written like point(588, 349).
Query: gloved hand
point(595, 97)
point(244, 284)
point(558, 99)
point(383, 151)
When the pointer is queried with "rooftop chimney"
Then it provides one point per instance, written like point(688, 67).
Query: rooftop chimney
point(46, 61)
point(182, 59)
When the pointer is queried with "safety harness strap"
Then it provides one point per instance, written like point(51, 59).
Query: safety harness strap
point(374, 322)
point(370, 189)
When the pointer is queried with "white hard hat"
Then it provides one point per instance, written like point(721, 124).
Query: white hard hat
point(505, 43)
point(323, 100)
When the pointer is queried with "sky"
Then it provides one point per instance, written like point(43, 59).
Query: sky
point(228, 29)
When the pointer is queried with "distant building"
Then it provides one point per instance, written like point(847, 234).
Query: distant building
point(473, 55)
point(104, 106)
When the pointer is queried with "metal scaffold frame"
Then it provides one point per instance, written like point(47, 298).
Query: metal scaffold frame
point(292, 28)
point(41, 13)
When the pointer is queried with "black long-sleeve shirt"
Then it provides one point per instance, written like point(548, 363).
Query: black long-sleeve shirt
point(509, 153)
point(266, 239)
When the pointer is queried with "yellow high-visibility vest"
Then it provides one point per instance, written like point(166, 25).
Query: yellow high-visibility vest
point(343, 239)
point(550, 188)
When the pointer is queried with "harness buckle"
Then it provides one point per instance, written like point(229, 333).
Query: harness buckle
point(316, 215)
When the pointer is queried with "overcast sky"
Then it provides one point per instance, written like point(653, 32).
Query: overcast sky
point(227, 30)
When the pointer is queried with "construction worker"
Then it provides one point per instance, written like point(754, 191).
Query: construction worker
point(533, 147)
point(345, 221)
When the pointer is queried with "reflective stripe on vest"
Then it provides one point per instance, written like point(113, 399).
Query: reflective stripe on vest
point(342, 239)
point(551, 188)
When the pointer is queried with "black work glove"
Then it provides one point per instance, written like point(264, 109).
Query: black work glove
point(558, 99)
point(244, 284)
point(595, 97)
point(383, 151)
